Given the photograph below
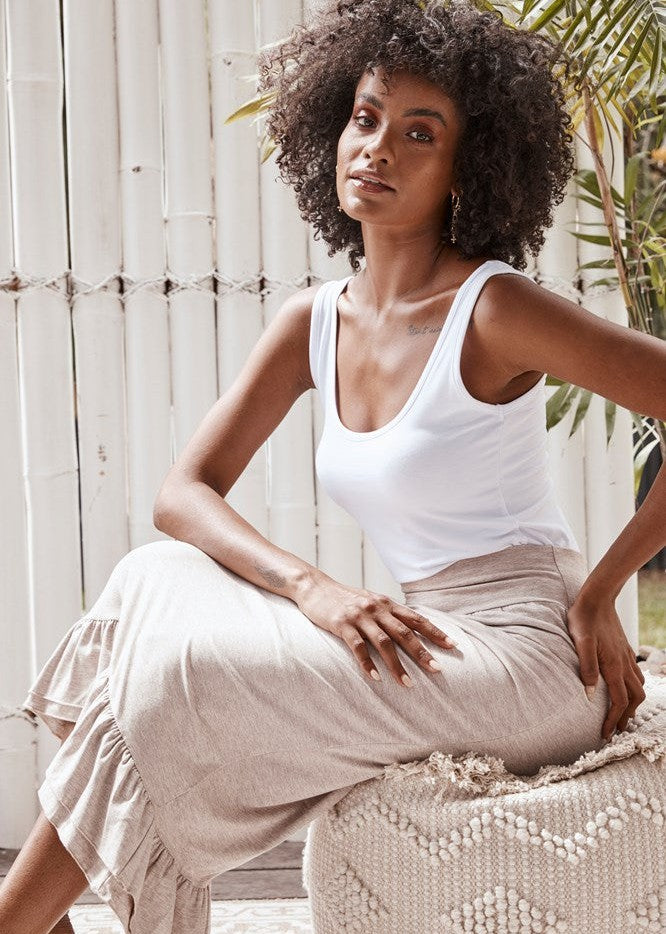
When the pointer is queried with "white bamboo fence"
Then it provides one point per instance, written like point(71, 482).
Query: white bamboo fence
point(143, 249)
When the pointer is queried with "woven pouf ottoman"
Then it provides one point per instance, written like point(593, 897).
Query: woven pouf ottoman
point(455, 844)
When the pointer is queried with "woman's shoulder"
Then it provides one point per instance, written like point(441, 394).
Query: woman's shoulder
point(297, 323)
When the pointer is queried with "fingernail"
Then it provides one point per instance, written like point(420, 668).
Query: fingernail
point(589, 690)
point(451, 642)
point(375, 674)
point(406, 680)
point(435, 665)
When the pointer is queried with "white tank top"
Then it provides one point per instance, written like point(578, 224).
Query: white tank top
point(449, 476)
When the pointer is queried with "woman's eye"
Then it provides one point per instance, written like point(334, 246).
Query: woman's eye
point(428, 137)
point(427, 140)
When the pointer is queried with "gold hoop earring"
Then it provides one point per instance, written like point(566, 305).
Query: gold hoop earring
point(456, 207)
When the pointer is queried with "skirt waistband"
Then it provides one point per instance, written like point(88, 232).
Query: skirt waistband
point(512, 575)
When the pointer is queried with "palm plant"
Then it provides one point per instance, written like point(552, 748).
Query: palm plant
point(614, 51)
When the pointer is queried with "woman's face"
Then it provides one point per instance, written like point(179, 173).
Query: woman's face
point(413, 151)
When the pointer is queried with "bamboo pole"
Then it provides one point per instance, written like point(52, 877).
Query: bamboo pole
point(188, 214)
point(556, 264)
point(44, 353)
point(233, 39)
point(97, 313)
point(290, 486)
point(609, 481)
point(17, 733)
point(148, 378)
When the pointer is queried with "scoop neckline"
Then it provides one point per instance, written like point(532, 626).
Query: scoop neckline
point(368, 435)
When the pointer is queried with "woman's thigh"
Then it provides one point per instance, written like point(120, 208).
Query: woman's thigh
point(527, 703)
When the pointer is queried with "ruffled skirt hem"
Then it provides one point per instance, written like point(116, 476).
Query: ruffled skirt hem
point(95, 798)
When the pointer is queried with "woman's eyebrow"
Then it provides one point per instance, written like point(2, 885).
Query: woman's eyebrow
point(412, 112)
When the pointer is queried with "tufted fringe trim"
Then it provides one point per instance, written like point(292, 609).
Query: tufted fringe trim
point(487, 775)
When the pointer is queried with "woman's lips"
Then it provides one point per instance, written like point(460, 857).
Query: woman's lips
point(370, 186)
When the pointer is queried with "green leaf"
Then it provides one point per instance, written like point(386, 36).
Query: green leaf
point(267, 149)
point(559, 404)
point(612, 281)
point(250, 107)
point(590, 238)
point(548, 14)
point(604, 106)
point(591, 23)
point(587, 179)
point(625, 30)
point(637, 45)
point(599, 127)
point(611, 410)
point(657, 63)
point(644, 453)
point(528, 6)
point(612, 22)
point(596, 203)
point(631, 176)
point(581, 409)
point(598, 264)
point(571, 28)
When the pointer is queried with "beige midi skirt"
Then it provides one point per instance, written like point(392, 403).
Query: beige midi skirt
point(213, 719)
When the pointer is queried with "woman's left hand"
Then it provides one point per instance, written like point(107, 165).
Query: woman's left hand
point(602, 647)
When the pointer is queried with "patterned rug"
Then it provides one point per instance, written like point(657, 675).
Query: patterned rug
point(243, 916)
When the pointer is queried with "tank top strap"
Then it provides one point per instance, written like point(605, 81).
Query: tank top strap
point(465, 302)
point(324, 304)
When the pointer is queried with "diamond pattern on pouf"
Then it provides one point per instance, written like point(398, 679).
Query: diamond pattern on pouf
point(649, 914)
point(500, 911)
point(450, 845)
point(350, 904)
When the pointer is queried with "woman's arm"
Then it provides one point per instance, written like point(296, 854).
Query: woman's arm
point(190, 505)
point(532, 328)
point(191, 511)
point(535, 329)
point(641, 538)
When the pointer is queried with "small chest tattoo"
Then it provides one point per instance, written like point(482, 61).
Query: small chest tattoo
point(425, 329)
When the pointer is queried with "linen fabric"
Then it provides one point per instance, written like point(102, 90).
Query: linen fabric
point(213, 719)
point(450, 476)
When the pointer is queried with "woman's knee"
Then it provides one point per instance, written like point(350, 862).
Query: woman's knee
point(160, 550)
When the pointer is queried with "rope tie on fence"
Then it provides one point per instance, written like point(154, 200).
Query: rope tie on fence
point(15, 713)
point(69, 285)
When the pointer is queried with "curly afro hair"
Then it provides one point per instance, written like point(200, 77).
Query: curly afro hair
point(514, 156)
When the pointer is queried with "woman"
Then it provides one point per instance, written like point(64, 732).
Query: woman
point(222, 692)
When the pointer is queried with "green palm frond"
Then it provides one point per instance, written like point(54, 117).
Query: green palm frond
point(606, 40)
point(258, 105)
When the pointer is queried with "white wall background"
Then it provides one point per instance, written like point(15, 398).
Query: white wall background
point(143, 248)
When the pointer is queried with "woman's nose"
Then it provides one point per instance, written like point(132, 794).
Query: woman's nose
point(378, 147)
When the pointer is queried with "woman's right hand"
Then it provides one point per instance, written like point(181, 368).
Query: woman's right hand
point(359, 615)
